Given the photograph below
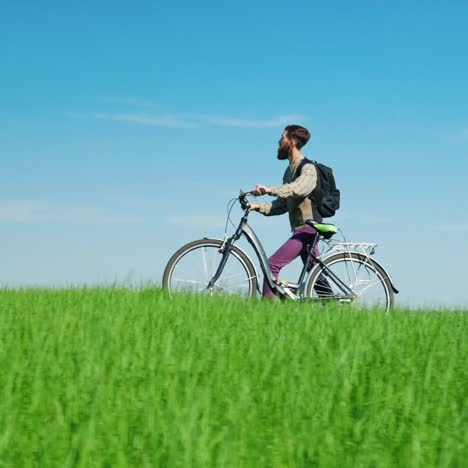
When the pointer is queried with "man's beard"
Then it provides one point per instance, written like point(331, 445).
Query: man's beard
point(283, 152)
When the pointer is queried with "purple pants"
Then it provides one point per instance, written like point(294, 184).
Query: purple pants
point(292, 248)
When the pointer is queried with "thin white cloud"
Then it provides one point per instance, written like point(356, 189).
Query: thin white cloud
point(186, 120)
point(145, 119)
point(24, 211)
point(248, 123)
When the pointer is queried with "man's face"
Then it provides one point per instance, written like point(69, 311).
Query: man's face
point(284, 147)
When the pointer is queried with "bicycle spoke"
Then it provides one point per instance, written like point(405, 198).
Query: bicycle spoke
point(204, 263)
point(245, 280)
point(363, 285)
point(367, 287)
point(193, 270)
point(188, 281)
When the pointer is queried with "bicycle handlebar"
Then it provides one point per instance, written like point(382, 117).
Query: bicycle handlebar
point(243, 200)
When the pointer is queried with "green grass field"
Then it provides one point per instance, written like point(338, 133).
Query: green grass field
point(116, 377)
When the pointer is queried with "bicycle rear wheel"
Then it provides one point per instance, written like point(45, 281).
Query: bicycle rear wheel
point(191, 268)
point(364, 283)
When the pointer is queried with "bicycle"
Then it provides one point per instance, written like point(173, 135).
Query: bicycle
point(345, 273)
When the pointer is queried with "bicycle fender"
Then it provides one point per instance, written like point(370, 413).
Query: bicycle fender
point(395, 290)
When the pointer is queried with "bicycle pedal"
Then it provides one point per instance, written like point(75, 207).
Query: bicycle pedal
point(282, 282)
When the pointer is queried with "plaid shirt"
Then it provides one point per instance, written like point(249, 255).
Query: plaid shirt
point(292, 196)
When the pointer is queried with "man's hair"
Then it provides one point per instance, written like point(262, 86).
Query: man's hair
point(299, 134)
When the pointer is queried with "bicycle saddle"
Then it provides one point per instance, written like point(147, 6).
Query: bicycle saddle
point(327, 230)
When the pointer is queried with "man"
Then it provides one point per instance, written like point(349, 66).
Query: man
point(292, 197)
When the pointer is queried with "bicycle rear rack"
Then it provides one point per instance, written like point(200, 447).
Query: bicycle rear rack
point(365, 248)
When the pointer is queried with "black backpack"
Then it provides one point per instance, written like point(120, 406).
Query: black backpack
point(325, 197)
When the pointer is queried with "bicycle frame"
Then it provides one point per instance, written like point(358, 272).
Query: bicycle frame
point(284, 288)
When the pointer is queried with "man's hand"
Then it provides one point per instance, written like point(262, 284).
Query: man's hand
point(260, 190)
point(252, 207)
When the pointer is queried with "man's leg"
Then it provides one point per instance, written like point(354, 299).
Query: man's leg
point(293, 247)
point(322, 286)
point(304, 253)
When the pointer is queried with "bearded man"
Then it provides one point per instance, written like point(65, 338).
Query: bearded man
point(292, 197)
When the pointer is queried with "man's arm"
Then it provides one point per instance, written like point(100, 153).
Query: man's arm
point(300, 188)
point(276, 207)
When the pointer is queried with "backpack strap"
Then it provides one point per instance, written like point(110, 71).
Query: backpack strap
point(301, 165)
point(315, 195)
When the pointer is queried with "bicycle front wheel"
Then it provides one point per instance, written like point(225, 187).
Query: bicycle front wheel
point(191, 268)
point(351, 278)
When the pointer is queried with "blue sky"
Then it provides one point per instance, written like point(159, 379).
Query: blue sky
point(126, 127)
